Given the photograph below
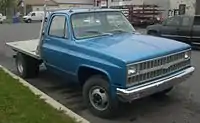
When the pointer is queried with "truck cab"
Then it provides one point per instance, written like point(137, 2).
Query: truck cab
point(183, 28)
point(100, 50)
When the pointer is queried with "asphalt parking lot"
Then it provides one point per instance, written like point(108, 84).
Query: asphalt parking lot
point(182, 105)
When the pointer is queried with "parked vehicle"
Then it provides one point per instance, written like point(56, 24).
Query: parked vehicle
point(100, 50)
point(182, 28)
point(34, 16)
point(143, 15)
point(2, 18)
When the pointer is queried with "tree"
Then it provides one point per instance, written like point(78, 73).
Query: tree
point(5, 5)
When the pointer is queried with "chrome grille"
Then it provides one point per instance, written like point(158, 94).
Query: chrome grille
point(159, 67)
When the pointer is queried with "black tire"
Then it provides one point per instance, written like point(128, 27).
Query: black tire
point(29, 21)
point(112, 105)
point(162, 93)
point(27, 67)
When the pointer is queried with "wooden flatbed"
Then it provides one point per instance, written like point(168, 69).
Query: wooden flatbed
point(28, 47)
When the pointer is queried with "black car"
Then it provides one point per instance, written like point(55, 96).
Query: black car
point(182, 28)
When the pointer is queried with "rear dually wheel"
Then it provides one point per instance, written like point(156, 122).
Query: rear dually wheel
point(27, 67)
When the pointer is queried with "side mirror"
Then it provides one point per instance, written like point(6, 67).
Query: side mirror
point(45, 20)
point(43, 33)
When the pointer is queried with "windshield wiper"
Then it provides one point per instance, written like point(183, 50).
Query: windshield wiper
point(119, 31)
point(93, 31)
point(97, 32)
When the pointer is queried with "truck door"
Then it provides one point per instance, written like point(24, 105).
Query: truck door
point(54, 49)
point(169, 28)
point(184, 31)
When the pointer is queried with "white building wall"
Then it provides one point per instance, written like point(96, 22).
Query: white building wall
point(75, 5)
point(61, 6)
point(121, 2)
point(190, 5)
point(40, 8)
point(75, 1)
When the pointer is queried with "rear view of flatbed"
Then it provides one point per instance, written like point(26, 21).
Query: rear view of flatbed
point(28, 47)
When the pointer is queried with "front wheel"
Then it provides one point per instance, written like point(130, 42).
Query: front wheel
point(96, 95)
point(29, 21)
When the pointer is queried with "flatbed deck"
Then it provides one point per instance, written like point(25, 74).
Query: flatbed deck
point(28, 47)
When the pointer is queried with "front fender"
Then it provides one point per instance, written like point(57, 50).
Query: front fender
point(155, 28)
point(114, 79)
point(95, 68)
point(115, 73)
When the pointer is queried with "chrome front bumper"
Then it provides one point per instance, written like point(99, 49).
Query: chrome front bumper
point(152, 87)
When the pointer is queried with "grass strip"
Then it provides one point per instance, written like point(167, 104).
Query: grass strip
point(19, 105)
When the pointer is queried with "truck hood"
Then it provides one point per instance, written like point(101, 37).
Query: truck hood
point(155, 26)
point(134, 47)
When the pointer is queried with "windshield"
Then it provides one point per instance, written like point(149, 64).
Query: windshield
point(86, 25)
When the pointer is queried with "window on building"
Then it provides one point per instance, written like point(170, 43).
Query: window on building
point(182, 8)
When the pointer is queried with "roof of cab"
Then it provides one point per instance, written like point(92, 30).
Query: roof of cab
point(82, 10)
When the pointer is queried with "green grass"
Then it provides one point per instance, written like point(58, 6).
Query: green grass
point(19, 105)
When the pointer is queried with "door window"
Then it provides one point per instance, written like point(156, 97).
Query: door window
point(186, 21)
point(58, 27)
point(173, 21)
point(32, 14)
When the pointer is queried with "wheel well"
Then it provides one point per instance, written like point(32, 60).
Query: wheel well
point(85, 73)
point(30, 59)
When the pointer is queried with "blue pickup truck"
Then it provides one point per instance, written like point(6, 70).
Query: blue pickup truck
point(100, 50)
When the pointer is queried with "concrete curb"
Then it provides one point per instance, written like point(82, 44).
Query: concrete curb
point(47, 99)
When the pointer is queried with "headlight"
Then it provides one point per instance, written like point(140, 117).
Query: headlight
point(158, 18)
point(187, 55)
point(132, 70)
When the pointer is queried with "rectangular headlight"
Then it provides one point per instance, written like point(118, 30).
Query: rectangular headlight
point(187, 54)
point(132, 70)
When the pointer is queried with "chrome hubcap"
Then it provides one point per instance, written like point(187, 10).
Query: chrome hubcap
point(99, 98)
point(20, 66)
